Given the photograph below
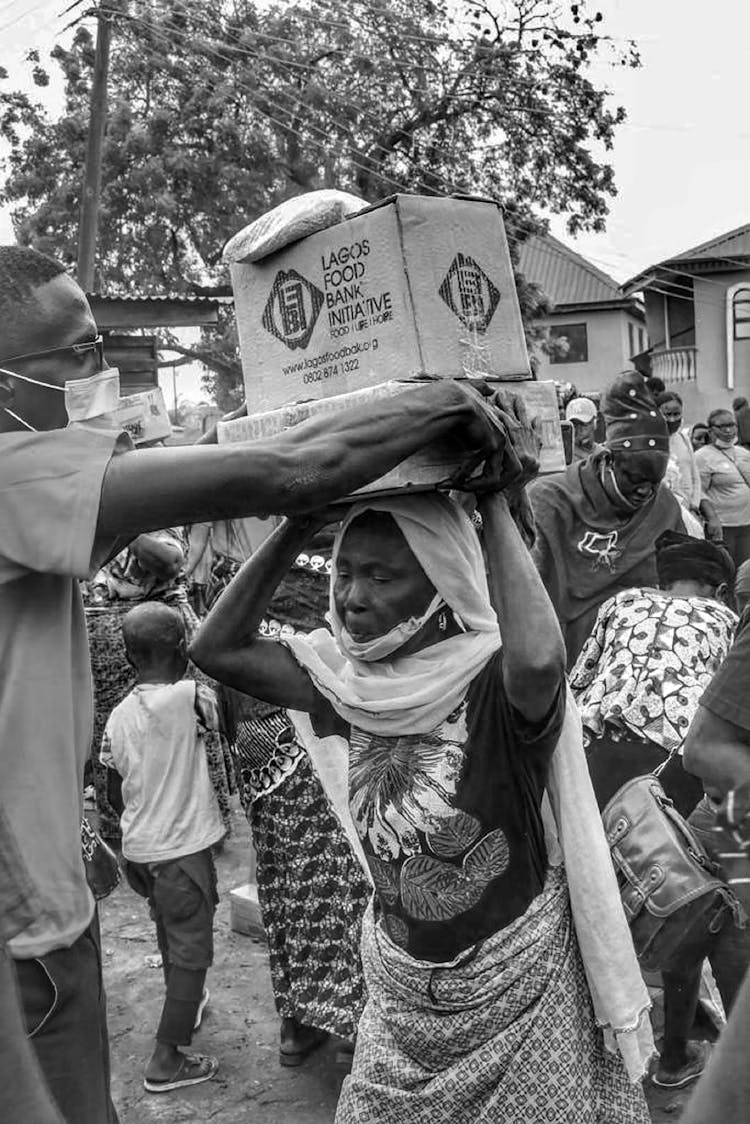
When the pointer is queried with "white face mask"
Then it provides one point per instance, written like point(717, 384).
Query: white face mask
point(97, 397)
point(382, 646)
point(725, 443)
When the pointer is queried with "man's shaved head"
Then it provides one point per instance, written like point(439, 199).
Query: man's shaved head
point(22, 271)
point(152, 632)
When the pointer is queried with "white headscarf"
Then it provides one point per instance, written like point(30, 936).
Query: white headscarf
point(411, 694)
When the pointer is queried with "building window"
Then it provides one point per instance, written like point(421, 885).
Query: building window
point(642, 342)
point(741, 313)
point(631, 340)
point(569, 343)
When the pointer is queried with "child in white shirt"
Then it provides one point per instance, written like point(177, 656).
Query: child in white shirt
point(171, 820)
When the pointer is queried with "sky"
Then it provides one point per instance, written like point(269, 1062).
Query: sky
point(682, 159)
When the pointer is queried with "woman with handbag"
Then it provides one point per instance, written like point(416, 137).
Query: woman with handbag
point(640, 676)
point(724, 468)
point(639, 681)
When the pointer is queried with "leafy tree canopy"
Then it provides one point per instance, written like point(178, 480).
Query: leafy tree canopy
point(219, 112)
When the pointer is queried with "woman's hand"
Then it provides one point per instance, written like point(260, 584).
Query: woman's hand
point(515, 459)
point(155, 556)
point(518, 463)
point(714, 531)
point(509, 469)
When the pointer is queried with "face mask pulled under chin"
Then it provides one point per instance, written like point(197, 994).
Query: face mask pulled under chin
point(630, 505)
point(380, 647)
point(725, 443)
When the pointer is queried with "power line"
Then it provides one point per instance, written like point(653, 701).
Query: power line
point(324, 145)
point(253, 95)
point(435, 69)
point(23, 15)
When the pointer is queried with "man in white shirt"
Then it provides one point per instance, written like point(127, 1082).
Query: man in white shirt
point(581, 413)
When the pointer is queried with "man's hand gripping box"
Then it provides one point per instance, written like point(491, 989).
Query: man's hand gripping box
point(431, 466)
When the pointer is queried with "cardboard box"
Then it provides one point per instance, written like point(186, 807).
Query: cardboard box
point(144, 415)
point(427, 468)
point(414, 285)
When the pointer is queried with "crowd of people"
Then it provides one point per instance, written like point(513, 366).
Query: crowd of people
point(425, 703)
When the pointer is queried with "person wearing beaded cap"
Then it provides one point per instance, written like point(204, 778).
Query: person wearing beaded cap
point(597, 522)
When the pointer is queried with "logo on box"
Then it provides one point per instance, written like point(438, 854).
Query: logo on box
point(469, 293)
point(292, 309)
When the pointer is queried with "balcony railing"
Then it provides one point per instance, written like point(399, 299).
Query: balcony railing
point(675, 364)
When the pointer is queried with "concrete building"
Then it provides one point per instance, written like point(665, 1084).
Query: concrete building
point(698, 317)
point(596, 329)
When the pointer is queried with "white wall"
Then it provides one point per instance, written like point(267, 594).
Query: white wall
point(608, 348)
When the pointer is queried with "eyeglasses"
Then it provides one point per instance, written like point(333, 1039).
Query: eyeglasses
point(725, 425)
point(95, 345)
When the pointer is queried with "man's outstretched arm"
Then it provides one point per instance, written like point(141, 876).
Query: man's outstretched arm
point(303, 468)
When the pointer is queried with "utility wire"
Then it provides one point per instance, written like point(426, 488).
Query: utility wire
point(324, 145)
point(253, 95)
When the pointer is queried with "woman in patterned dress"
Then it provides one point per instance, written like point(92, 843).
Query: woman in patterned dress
point(477, 1005)
point(312, 897)
point(151, 568)
point(651, 655)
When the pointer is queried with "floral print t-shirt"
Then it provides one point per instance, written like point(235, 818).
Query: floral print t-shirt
point(647, 663)
point(450, 821)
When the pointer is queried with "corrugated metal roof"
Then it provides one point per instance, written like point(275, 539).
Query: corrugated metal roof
point(736, 243)
point(172, 298)
point(725, 250)
point(565, 276)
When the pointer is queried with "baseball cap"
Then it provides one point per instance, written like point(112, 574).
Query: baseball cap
point(580, 409)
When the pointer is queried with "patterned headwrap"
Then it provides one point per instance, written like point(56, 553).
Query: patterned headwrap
point(634, 423)
point(683, 557)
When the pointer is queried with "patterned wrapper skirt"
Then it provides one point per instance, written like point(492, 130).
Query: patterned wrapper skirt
point(113, 679)
point(501, 1035)
point(313, 896)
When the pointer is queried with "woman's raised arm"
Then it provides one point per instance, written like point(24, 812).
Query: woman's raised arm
point(227, 646)
point(533, 646)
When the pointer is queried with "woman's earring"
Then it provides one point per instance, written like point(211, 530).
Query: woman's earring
point(443, 621)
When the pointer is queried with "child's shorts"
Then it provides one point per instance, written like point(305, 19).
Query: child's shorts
point(183, 897)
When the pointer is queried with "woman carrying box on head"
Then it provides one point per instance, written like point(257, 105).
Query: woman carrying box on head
point(478, 1000)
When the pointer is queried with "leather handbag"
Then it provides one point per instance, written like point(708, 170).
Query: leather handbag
point(100, 862)
point(673, 897)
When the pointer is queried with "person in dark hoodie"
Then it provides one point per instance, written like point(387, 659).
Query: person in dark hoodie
point(597, 522)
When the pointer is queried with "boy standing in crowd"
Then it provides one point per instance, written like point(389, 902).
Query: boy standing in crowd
point(171, 820)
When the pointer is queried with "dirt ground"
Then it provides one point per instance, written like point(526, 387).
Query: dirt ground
point(240, 1025)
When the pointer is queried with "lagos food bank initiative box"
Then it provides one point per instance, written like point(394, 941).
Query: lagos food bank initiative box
point(415, 284)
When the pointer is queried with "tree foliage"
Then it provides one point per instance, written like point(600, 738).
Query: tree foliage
point(218, 112)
